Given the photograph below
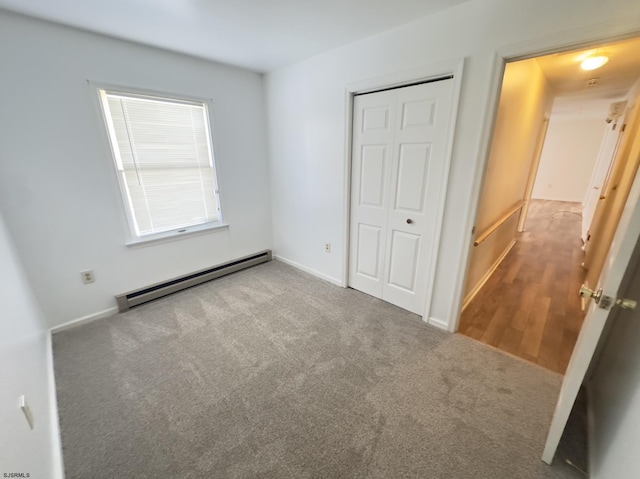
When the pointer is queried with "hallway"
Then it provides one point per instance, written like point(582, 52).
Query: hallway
point(530, 306)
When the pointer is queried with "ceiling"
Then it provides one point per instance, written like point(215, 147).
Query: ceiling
point(261, 35)
point(613, 80)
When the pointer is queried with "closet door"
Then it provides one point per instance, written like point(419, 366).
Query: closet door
point(373, 144)
point(398, 159)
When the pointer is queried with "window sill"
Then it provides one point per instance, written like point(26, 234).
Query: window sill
point(175, 235)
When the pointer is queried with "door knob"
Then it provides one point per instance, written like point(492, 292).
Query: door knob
point(409, 221)
point(605, 302)
point(589, 293)
point(626, 303)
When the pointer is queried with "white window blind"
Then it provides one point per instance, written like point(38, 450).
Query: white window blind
point(162, 152)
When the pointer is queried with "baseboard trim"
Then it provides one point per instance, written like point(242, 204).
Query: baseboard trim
point(438, 323)
point(315, 273)
point(56, 439)
point(74, 323)
point(476, 289)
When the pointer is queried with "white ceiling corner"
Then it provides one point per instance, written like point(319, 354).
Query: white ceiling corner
point(261, 35)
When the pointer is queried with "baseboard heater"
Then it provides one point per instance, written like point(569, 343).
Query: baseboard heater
point(140, 296)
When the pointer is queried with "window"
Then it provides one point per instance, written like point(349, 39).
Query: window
point(164, 160)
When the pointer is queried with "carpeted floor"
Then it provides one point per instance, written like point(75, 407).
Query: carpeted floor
point(271, 373)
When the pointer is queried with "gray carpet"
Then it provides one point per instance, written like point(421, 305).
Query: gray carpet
point(271, 373)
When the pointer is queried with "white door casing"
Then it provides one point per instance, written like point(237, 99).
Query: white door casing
point(626, 237)
point(398, 160)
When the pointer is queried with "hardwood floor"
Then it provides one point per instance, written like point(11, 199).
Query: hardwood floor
point(530, 306)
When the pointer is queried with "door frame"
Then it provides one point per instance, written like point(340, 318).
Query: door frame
point(401, 79)
point(582, 38)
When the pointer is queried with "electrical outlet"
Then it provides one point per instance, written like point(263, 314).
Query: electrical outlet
point(327, 247)
point(87, 276)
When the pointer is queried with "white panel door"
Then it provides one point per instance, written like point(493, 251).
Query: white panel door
point(374, 116)
point(608, 149)
point(399, 154)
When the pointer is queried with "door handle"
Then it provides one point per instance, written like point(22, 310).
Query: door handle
point(605, 302)
point(409, 221)
point(626, 303)
point(590, 293)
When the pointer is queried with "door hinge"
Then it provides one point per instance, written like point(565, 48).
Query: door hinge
point(473, 230)
point(624, 127)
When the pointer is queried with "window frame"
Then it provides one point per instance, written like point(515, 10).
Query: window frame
point(132, 238)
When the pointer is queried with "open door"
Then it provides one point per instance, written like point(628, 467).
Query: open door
point(616, 263)
point(601, 172)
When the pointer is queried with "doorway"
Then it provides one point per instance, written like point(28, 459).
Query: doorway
point(529, 307)
point(526, 264)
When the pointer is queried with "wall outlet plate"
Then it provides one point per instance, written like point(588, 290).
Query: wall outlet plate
point(327, 247)
point(87, 276)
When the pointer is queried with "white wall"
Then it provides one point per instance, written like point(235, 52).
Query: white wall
point(23, 371)
point(568, 157)
point(306, 112)
point(58, 190)
point(615, 396)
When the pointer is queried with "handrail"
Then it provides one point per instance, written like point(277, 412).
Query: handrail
point(487, 232)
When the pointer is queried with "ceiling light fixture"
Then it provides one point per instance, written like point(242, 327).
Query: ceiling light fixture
point(592, 63)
